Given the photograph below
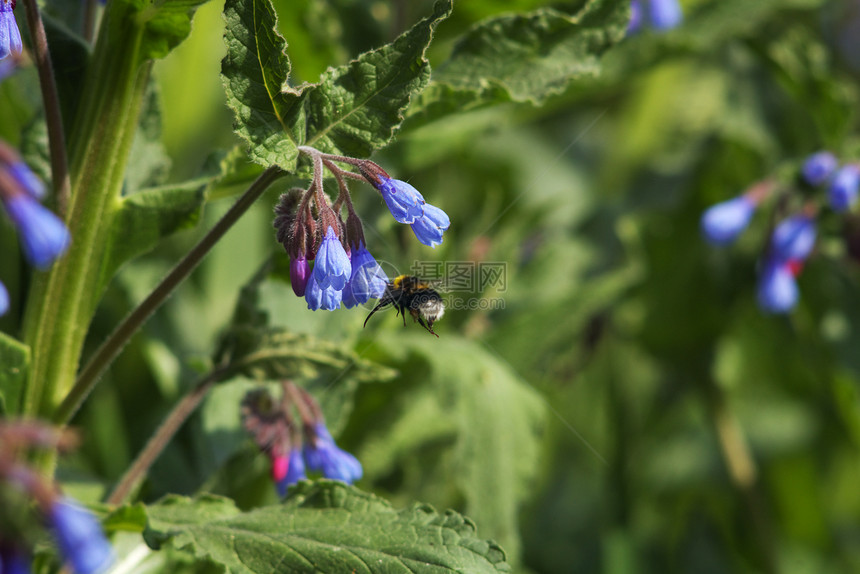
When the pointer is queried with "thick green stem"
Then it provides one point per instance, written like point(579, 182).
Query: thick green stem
point(62, 300)
point(108, 350)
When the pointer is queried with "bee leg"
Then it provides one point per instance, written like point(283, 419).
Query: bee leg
point(429, 328)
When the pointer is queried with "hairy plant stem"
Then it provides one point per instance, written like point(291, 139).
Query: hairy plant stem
point(159, 440)
point(111, 347)
point(53, 117)
point(62, 301)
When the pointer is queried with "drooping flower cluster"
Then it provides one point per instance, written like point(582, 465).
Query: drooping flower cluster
point(77, 533)
point(295, 449)
point(312, 229)
point(44, 237)
point(793, 237)
point(659, 15)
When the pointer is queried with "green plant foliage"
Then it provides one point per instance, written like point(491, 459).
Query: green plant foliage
point(142, 220)
point(353, 109)
point(14, 357)
point(308, 534)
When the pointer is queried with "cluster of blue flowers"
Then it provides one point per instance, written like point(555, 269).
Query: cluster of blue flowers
point(659, 15)
point(78, 534)
point(344, 272)
point(44, 237)
point(296, 449)
point(793, 238)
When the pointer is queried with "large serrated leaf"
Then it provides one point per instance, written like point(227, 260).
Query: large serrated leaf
point(323, 527)
point(14, 359)
point(524, 57)
point(353, 110)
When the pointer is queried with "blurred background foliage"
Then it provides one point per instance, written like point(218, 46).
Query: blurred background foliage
point(629, 409)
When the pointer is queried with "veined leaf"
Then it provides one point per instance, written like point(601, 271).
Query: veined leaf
point(522, 57)
point(143, 219)
point(325, 526)
point(353, 110)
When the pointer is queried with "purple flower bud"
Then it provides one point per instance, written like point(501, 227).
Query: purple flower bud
point(43, 235)
point(323, 455)
point(819, 167)
point(368, 280)
point(10, 36)
point(80, 537)
point(429, 229)
point(328, 298)
point(843, 189)
point(4, 301)
point(723, 222)
point(404, 202)
point(665, 14)
point(794, 238)
point(635, 17)
point(331, 267)
point(300, 271)
point(777, 289)
point(295, 473)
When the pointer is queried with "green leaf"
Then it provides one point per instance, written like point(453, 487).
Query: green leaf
point(266, 354)
point(325, 526)
point(523, 57)
point(14, 361)
point(493, 416)
point(162, 25)
point(353, 110)
point(150, 163)
point(143, 219)
point(126, 518)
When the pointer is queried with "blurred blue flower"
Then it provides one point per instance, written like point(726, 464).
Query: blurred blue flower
point(26, 178)
point(10, 36)
point(80, 537)
point(44, 236)
point(723, 222)
point(793, 238)
point(328, 298)
point(300, 272)
point(4, 306)
point(819, 167)
point(404, 202)
point(843, 189)
point(331, 266)
point(635, 23)
point(777, 289)
point(368, 280)
point(323, 455)
point(13, 561)
point(295, 471)
point(665, 14)
point(429, 228)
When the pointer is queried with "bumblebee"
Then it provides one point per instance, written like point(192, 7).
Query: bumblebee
point(409, 293)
